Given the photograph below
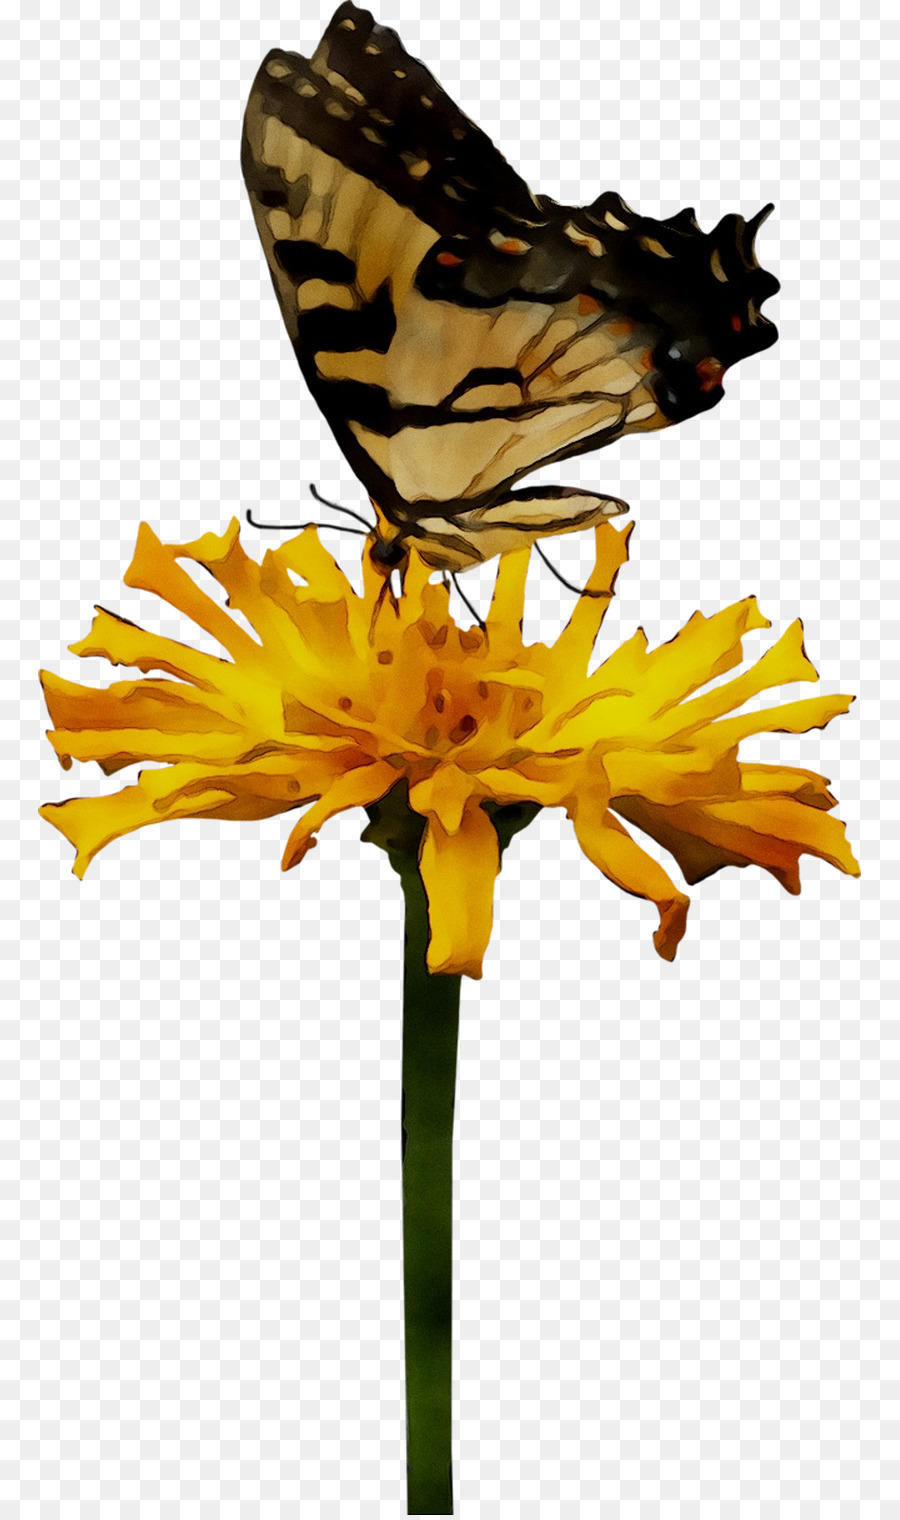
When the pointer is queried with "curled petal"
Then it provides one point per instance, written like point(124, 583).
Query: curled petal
point(787, 781)
point(697, 858)
point(616, 854)
point(351, 788)
point(91, 823)
point(254, 790)
point(768, 829)
point(774, 832)
point(458, 872)
point(444, 795)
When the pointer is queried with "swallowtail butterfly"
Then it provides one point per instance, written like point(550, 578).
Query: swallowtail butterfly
point(458, 331)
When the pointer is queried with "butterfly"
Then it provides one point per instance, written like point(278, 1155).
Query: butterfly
point(457, 331)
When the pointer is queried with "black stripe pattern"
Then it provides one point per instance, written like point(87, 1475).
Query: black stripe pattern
point(456, 330)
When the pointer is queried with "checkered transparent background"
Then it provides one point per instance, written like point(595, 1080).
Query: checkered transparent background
point(675, 1277)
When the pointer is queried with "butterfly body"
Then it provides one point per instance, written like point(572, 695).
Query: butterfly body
point(457, 331)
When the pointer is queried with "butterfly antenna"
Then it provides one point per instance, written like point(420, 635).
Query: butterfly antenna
point(324, 502)
point(579, 590)
point(465, 600)
point(296, 527)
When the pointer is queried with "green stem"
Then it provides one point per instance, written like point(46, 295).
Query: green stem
point(430, 1030)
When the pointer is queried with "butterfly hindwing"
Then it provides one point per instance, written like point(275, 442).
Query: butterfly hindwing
point(456, 331)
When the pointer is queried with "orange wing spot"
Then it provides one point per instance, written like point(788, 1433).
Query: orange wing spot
point(710, 372)
point(620, 329)
point(736, 323)
point(449, 259)
point(586, 305)
point(646, 359)
point(512, 245)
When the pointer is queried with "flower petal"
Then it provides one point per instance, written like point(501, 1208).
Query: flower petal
point(658, 679)
point(704, 648)
point(788, 718)
point(444, 795)
point(787, 781)
point(351, 788)
point(572, 649)
point(616, 854)
point(155, 568)
point(670, 774)
point(165, 706)
point(769, 830)
point(416, 577)
point(508, 784)
point(507, 610)
point(785, 662)
point(697, 858)
point(115, 639)
point(459, 871)
point(307, 557)
point(270, 784)
point(91, 823)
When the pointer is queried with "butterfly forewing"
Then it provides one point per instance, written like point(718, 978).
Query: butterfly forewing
point(456, 331)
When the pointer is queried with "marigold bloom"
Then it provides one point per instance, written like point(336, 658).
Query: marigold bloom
point(341, 696)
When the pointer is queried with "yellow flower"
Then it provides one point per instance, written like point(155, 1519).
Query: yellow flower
point(339, 697)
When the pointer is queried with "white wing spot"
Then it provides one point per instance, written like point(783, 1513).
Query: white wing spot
point(348, 26)
point(334, 108)
point(613, 221)
point(277, 70)
point(641, 413)
point(506, 244)
point(584, 240)
point(715, 265)
point(653, 246)
point(372, 50)
point(303, 87)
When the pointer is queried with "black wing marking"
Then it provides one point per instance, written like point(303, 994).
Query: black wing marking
point(364, 101)
point(456, 331)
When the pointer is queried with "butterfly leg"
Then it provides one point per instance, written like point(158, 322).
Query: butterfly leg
point(387, 591)
point(579, 590)
point(466, 603)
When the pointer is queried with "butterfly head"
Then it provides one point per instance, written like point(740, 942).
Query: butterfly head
point(388, 552)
